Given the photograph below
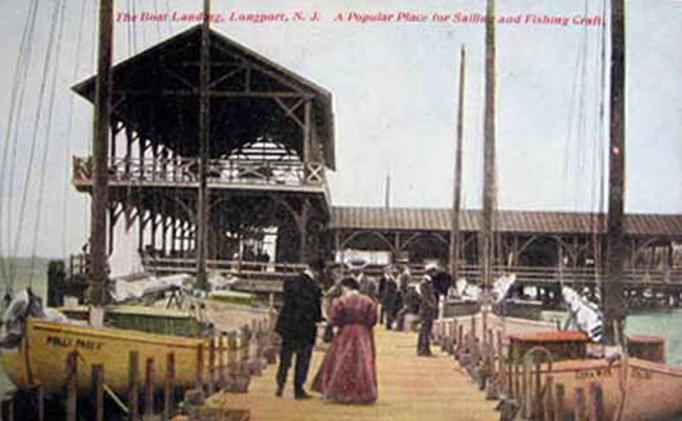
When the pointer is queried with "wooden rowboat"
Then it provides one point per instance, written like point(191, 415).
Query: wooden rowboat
point(633, 389)
point(41, 357)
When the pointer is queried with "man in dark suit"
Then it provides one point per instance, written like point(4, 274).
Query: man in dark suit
point(427, 311)
point(297, 325)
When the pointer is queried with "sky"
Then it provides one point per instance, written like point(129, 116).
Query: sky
point(394, 87)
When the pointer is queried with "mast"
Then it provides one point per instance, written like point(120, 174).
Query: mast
point(488, 162)
point(612, 288)
point(454, 232)
point(387, 192)
point(204, 137)
point(97, 291)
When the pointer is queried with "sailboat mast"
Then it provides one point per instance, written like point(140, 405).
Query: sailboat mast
point(100, 147)
point(456, 206)
point(612, 293)
point(204, 136)
point(488, 161)
point(387, 192)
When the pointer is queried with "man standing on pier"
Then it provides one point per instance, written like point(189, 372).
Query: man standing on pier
point(297, 325)
point(427, 311)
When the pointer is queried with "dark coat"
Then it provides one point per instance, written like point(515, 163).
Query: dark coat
point(429, 300)
point(302, 309)
point(441, 283)
point(391, 297)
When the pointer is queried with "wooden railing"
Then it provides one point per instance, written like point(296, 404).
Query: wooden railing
point(242, 268)
point(545, 274)
point(219, 171)
point(526, 274)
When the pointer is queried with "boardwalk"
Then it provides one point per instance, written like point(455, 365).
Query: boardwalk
point(410, 388)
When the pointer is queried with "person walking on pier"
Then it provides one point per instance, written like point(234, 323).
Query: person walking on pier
point(348, 372)
point(390, 299)
point(427, 311)
point(297, 325)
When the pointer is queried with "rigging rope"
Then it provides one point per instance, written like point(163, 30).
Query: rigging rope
point(60, 7)
point(36, 126)
point(596, 223)
point(67, 149)
point(14, 116)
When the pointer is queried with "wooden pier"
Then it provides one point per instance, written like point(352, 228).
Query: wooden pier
point(410, 388)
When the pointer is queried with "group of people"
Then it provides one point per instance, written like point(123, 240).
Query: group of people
point(348, 372)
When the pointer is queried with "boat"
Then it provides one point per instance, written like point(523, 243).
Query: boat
point(41, 358)
point(635, 381)
point(35, 351)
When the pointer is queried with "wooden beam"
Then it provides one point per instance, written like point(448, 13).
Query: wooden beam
point(455, 236)
point(204, 142)
point(97, 293)
point(612, 290)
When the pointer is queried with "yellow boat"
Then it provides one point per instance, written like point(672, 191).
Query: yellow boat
point(41, 357)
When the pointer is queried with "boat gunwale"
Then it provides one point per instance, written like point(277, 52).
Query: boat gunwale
point(591, 364)
point(117, 334)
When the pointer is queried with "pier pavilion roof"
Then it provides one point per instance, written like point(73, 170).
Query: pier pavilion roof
point(252, 98)
point(420, 219)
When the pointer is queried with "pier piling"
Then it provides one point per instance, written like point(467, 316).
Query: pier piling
point(169, 386)
point(98, 391)
point(72, 387)
point(133, 390)
point(149, 388)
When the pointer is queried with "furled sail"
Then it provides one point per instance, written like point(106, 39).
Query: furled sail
point(584, 315)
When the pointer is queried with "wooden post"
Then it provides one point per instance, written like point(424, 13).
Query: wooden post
point(510, 379)
point(101, 122)
point(98, 391)
point(169, 386)
point(548, 399)
point(149, 388)
point(597, 402)
point(460, 336)
point(489, 171)
point(200, 367)
point(525, 392)
point(40, 397)
point(232, 365)
point(580, 405)
point(133, 391)
point(72, 386)
point(8, 409)
point(537, 395)
point(455, 233)
point(222, 359)
point(211, 365)
point(559, 406)
point(616, 249)
point(517, 381)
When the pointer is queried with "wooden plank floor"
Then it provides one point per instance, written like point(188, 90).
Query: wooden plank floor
point(410, 388)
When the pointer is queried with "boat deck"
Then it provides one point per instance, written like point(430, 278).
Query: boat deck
point(410, 388)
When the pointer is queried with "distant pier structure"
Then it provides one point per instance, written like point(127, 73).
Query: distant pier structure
point(541, 248)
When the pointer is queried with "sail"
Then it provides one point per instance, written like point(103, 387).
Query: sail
point(585, 315)
point(125, 259)
point(502, 287)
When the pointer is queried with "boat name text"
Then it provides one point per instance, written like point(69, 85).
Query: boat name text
point(64, 342)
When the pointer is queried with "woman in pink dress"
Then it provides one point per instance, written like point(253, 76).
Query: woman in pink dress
point(348, 374)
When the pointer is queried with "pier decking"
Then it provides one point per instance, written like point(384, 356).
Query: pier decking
point(410, 388)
